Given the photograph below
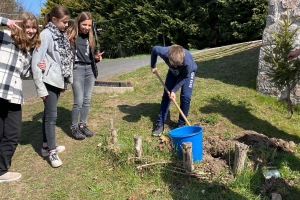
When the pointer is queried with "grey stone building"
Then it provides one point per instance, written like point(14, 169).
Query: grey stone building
point(277, 8)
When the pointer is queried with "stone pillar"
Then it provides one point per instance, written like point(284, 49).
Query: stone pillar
point(277, 8)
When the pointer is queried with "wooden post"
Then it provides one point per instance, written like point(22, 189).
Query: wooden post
point(138, 146)
point(114, 137)
point(239, 157)
point(111, 124)
point(186, 148)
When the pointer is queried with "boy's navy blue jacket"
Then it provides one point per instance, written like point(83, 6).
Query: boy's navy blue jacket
point(188, 66)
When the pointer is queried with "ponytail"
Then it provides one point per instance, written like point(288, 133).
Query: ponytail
point(47, 19)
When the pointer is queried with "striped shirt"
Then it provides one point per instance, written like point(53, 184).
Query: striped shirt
point(14, 66)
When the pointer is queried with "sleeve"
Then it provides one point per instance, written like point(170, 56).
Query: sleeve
point(181, 80)
point(37, 56)
point(158, 51)
point(3, 21)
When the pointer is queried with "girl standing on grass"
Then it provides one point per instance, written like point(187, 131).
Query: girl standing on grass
point(15, 49)
point(55, 51)
point(85, 72)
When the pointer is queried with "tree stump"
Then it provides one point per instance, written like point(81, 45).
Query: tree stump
point(187, 155)
point(138, 146)
point(111, 124)
point(239, 157)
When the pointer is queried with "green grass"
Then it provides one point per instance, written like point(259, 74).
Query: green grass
point(224, 94)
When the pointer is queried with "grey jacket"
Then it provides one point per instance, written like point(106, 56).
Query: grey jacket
point(48, 52)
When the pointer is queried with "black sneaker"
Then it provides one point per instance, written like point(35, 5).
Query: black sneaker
point(158, 130)
point(77, 133)
point(86, 131)
point(179, 126)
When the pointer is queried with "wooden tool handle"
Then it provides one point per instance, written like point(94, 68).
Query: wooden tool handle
point(182, 114)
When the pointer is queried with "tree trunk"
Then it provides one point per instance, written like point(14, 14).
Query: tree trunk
point(138, 146)
point(239, 157)
point(186, 148)
point(114, 137)
point(111, 124)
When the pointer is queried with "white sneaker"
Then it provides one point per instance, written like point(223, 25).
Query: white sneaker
point(54, 159)
point(10, 176)
point(59, 149)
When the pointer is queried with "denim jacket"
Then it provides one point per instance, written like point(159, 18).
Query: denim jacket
point(48, 52)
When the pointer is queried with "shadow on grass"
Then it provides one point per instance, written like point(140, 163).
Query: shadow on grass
point(150, 110)
point(239, 69)
point(241, 116)
point(32, 130)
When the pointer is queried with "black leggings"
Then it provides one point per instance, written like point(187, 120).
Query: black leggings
point(10, 132)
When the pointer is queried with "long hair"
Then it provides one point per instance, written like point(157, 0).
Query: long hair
point(58, 12)
point(73, 30)
point(19, 36)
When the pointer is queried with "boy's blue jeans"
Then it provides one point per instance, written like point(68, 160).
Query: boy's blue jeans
point(185, 98)
point(83, 85)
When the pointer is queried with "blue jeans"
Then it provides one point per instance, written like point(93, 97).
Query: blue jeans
point(185, 98)
point(10, 132)
point(83, 85)
point(50, 116)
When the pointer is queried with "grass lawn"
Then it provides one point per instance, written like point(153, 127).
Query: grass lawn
point(225, 102)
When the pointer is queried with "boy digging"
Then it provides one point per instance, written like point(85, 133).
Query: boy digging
point(181, 74)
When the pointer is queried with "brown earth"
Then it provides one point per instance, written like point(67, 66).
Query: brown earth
point(218, 157)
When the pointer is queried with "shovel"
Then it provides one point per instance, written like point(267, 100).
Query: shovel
point(182, 114)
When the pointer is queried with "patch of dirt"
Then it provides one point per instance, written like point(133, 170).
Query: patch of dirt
point(218, 158)
point(278, 185)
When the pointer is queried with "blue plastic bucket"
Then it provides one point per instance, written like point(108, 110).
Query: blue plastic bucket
point(191, 134)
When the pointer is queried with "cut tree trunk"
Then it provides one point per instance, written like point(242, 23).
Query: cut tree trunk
point(187, 155)
point(138, 146)
point(114, 137)
point(111, 124)
point(239, 157)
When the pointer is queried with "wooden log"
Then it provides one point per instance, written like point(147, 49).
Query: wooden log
point(111, 124)
point(239, 157)
point(187, 155)
point(114, 137)
point(138, 146)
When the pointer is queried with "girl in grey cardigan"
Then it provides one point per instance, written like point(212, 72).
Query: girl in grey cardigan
point(55, 51)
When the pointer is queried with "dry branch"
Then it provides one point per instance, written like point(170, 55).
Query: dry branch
point(151, 164)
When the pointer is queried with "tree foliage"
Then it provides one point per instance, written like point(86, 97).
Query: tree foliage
point(130, 27)
point(284, 74)
point(10, 8)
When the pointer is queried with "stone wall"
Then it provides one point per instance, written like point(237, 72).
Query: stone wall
point(276, 9)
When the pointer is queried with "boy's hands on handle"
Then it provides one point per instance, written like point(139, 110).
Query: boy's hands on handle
point(171, 95)
point(153, 70)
